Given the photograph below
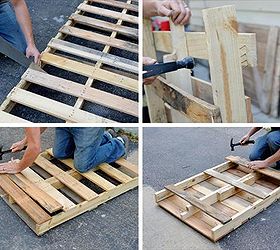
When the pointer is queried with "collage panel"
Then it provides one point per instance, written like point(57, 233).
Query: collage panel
point(211, 61)
point(221, 190)
point(69, 187)
point(83, 64)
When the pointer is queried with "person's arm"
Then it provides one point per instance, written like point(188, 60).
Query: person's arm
point(24, 21)
point(33, 141)
point(176, 9)
point(251, 132)
point(265, 163)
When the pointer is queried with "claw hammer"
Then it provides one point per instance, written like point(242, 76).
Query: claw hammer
point(232, 145)
point(8, 151)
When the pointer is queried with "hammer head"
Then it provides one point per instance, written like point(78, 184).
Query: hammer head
point(1, 147)
point(187, 62)
point(231, 144)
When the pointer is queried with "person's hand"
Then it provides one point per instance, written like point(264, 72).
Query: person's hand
point(176, 9)
point(11, 167)
point(149, 61)
point(18, 145)
point(32, 51)
point(258, 165)
point(244, 139)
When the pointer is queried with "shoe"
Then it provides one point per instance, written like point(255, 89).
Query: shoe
point(124, 139)
point(112, 132)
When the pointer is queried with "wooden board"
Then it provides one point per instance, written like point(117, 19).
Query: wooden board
point(98, 75)
point(44, 202)
point(221, 198)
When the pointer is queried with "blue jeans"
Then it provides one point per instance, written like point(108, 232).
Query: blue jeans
point(88, 146)
point(266, 146)
point(10, 29)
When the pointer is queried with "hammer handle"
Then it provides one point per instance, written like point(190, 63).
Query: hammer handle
point(248, 142)
point(10, 150)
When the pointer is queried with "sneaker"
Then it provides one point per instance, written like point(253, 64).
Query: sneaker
point(124, 139)
point(112, 132)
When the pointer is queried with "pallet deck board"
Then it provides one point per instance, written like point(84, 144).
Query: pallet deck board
point(235, 191)
point(92, 45)
point(60, 187)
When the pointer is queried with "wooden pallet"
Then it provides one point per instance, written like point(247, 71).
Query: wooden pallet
point(51, 191)
point(222, 198)
point(183, 98)
point(93, 61)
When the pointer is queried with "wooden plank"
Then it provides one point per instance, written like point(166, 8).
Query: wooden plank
point(66, 179)
point(155, 104)
point(90, 71)
point(90, 175)
point(224, 60)
point(127, 165)
point(237, 184)
point(9, 118)
point(103, 25)
point(244, 162)
point(94, 55)
point(115, 173)
point(218, 215)
point(54, 108)
point(75, 89)
point(197, 110)
point(35, 212)
point(118, 4)
point(197, 45)
point(37, 194)
point(108, 13)
point(95, 37)
point(48, 188)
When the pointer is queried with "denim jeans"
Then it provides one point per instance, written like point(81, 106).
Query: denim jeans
point(266, 146)
point(88, 146)
point(10, 29)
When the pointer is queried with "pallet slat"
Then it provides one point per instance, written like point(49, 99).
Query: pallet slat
point(46, 201)
point(93, 54)
point(54, 108)
point(90, 71)
point(238, 184)
point(218, 215)
point(108, 13)
point(95, 37)
point(118, 4)
point(67, 180)
point(23, 200)
point(75, 89)
point(99, 24)
point(113, 172)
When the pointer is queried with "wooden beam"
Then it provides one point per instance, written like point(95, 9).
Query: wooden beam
point(224, 61)
point(117, 4)
point(9, 118)
point(196, 109)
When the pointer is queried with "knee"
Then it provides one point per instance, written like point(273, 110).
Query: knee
point(58, 154)
point(82, 166)
point(253, 156)
point(273, 140)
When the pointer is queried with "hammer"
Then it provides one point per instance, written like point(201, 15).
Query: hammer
point(8, 151)
point(232, 145)
point(160, 68)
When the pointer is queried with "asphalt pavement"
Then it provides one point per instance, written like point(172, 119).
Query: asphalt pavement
point(47, 18)
point(174, 154)
point(112, 225)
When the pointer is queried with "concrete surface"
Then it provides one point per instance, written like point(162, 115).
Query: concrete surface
point(113, 225)
point(47, 18)
point(174, 154)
